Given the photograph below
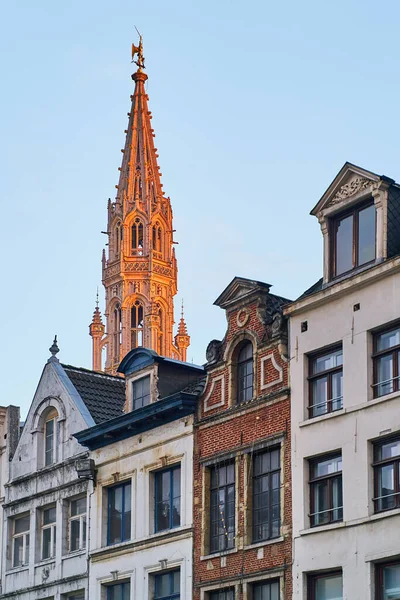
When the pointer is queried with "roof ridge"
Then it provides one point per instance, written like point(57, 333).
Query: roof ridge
point(91, 372)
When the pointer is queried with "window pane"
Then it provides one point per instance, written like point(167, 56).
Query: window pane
point(329, 588)
point(327, 466)
point(126, 534)
point(337, 391)
point(49, 515)
point(321, 498)
point(388, 339)
point(21, 524)
point(141, 392)
point(337, 500)
point(75, 530)
point(46, 542)
point(18, 551)
point(366, 234)
point(327, 361)
point(391, 582)
point(115, 515)
point(319, 396)
point(344, 245)
point(385, 487)
point(266, 591)
point(384, 373)
point(388, 450)
point(78, 507)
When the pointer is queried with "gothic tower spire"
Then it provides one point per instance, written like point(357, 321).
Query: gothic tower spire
point(140, 272)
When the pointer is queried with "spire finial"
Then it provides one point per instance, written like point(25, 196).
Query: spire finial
point(54, 349)
point(139, 51)
point(182, 310)
point(97, 297)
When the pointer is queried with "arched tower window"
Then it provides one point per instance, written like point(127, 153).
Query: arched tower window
point(117, 332)
point(160, 339)
point(118, 238)
point(245, 373)
point(157, 237)
point(137, 237)
point(137, 324)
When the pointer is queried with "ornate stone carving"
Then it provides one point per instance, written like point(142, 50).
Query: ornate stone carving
point(213, 351)
point(353, 187)
point(162, 270)
point(242, 317)
point(134, 267)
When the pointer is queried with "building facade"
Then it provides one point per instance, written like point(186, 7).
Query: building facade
point(141, 535)
point(345, 358)
point(140, 271)
point(242, 493)
point(47, 490)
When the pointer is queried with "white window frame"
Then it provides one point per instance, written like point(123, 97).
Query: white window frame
point(25, 535)
point(81, 518)
point(52, 419)
point(53, 532)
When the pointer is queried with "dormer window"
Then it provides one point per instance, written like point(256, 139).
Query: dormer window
point(141, 392)
point(354, 239)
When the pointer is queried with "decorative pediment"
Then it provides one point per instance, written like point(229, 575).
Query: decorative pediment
point(239, 289)
point(349, 183)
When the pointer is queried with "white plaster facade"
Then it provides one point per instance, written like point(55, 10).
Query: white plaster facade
point(146, 554)
point(329, 316)
point(33, 487)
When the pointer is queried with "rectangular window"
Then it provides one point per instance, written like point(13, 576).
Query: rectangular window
point(266, 591)
point(386, 359)
point(387, 474)
point(119, 591)
point(119, 513)
point(354, 239)
point(388, 581)
point(74, 596)
point(266, 495)
point(326, 490)
point(20, 541)
point(167, 585)
point(77, 524)
point(48, 526)
point(228, 594)
point(141, 392)
point(325, 382)
point(325, 586)
point(222, 518)
point(49, 435)
point(167, 499)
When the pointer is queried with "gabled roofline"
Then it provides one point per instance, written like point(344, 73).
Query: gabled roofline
point(348, 166)
point(223, 299)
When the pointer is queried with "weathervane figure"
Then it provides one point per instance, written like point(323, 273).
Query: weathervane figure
point(139, 51)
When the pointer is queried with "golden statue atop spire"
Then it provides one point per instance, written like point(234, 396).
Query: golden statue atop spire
point(139, 51)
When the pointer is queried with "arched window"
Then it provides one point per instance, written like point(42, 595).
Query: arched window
point(160, 339)
point(137, 237)
point(245, 373)
point(157, 237)
point(118, 238)
point(50, 437)
point(117, 332)
point(137, 325)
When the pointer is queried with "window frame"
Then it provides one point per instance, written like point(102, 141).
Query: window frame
point(334, 221)
point(329, 373)
point(82, 520)
point(216, 594)
point(171, 594)
point(267, 582)
point(312, 578)
point(51, 417)
point(126, 589)
point(378, 354)
point(269, 475)
point(53, 533)
point(241, 394)
point(135, 382)
point(157, 475)
point(227, 545)
point(25, 535)
point(379, 570)
point(123, 485)
point(313, 481)
point(377, 465)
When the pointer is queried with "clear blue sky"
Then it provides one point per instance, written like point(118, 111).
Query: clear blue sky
point(256, 106)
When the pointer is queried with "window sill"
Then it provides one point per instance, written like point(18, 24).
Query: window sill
point(74, 553)
point(45, 561)
point(219, 554)
point(351, 409)
point(17, 569)
point(265, 543)
point(321, 528)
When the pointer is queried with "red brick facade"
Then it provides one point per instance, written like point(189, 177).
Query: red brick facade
point(230, 433)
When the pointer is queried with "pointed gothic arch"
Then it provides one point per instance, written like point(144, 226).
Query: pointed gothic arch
point(157, 237)
point(137, 323)
point(116, 331)
point(137, 236)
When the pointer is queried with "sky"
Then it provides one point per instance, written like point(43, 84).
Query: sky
point(256, 106)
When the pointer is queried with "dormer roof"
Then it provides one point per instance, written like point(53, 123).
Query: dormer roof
point(350, 182)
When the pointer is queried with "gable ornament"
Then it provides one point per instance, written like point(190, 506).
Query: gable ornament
point(351, 188)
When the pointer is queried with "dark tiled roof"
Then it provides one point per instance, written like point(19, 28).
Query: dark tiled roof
point(195, 387)
point(314, 288)
point(104, 395)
